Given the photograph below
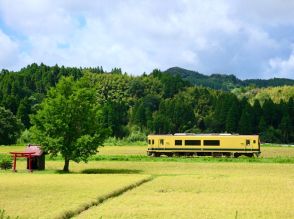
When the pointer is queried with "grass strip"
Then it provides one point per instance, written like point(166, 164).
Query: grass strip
point(276, 145)
point(100, 200)
point(189, 159)
point(139, 158)
point(145, 158)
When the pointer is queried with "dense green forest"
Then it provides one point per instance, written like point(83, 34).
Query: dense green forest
point(153, 103)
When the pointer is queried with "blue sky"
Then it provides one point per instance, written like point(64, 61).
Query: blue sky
point(251, 39)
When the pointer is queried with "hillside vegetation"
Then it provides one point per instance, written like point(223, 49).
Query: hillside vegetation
point(132, 107)
point(276, 94)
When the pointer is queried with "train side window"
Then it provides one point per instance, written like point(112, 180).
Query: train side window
point(254, 141)
point(211, 143)
point(192, 142)
point(178, 142)
point(152, 141)
point(247, 142)
point(161, 142)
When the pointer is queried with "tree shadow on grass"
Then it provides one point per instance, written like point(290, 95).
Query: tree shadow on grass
point(110, 171)
point(64, 172)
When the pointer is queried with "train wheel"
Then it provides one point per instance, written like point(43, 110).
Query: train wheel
point(236, 155)
point(227, 155)
point(157, 154)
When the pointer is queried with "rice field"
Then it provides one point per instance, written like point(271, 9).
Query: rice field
point(266, 151)
point(207, 191)
point(52, 195)
point(177, 189)
point(7, 149)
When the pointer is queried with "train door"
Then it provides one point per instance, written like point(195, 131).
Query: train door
point(161, 143)
point(248, 145)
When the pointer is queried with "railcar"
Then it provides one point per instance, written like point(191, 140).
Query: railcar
point(216, 145)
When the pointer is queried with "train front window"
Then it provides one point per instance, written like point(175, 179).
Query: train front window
point(149, 141)
point(192, 142)
point(211, 143)
point(178, 142)
point(152, 141)
point(161, 142)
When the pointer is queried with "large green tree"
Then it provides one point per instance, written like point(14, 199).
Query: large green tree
point(69, 122)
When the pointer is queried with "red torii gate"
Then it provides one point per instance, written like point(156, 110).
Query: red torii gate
point(29, 153)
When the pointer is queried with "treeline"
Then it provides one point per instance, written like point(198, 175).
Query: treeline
point(154, 103)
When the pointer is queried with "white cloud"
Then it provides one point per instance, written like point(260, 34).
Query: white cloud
point(282, 67)
point(138, 36)
point(264, 12)
point(10, 55)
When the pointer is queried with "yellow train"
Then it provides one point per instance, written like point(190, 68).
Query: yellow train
point(216, 145)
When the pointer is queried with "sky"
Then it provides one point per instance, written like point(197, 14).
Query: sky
point(248, 38)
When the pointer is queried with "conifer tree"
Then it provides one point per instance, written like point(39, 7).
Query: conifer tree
point(286, 127)
point(232, 119)
point(261, 125)
point(268, 112)
point(245, 123)
point(257, 112)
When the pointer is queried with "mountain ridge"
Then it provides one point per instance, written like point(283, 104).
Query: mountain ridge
point(225, 81)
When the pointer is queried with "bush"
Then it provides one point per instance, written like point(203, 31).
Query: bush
point(271, 135)
point(6, 163)
point(136, 136)
point(25, 137)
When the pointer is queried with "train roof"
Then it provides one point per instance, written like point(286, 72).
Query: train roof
point(204, 134)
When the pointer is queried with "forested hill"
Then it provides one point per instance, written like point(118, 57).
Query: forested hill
point(134, 106)
point(223, 81)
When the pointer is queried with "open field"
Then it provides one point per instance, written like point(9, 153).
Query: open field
point(245, 188)
point(7, 149)
point(178, 189)
point(217, 194)
point(160, 167)
point(266, 151)
point(52, 195)
point(269, 151)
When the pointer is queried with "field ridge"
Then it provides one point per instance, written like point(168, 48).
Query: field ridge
point(71, 213)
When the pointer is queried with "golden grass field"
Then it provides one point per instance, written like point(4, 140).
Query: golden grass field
point(178, 189)
point(214, 194)
point(50, 195)
point(266, 151)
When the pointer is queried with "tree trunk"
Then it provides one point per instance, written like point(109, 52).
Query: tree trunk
point(66, 165)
